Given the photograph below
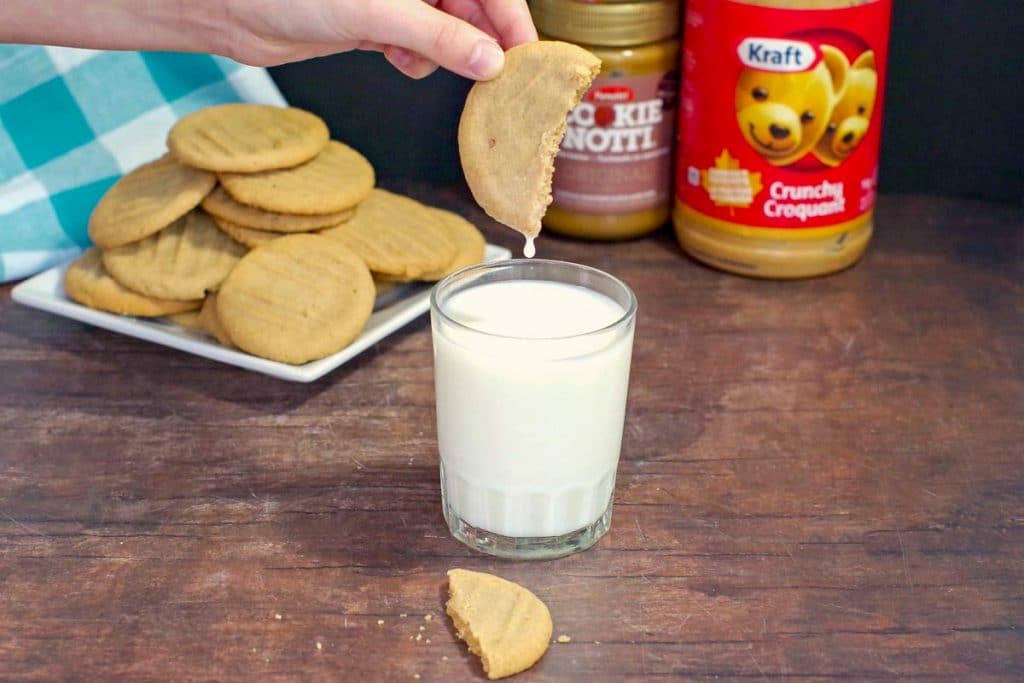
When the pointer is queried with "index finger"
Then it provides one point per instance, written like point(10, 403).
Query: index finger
point(512, 20)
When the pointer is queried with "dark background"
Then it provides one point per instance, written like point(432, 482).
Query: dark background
point(954, 108)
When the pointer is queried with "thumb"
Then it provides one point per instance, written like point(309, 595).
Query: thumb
point(417, 26)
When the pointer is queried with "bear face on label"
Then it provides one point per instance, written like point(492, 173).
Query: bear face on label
point(783, 115)
point(851, 116)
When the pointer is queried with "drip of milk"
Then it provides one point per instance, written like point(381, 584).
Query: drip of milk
point(529, 250)
point(530, 413)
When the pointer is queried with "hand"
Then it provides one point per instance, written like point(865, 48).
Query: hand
point(464, 36)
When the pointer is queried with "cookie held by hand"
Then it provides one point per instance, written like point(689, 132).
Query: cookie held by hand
point(512, 126)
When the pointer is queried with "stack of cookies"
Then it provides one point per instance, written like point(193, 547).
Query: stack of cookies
point(260, 231)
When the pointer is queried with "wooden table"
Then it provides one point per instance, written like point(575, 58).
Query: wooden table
point(819, 480)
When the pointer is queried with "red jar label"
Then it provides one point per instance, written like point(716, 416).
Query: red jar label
point(781, 113)
point(616, 156)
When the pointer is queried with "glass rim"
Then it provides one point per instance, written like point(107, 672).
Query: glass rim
point(628, 314)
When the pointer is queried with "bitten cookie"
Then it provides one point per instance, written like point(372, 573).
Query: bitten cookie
point(512, 126)
point(504, 624)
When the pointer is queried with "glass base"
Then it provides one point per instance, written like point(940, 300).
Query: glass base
point(529, 548)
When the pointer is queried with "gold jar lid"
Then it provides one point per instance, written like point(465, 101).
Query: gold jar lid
point(612, 24)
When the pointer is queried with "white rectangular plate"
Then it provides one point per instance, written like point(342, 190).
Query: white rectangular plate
point(46, 292)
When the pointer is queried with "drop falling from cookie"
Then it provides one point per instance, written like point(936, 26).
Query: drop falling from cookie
point(529, 249)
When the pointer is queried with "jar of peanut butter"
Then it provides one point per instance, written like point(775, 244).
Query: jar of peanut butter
point(779, 129)
point(613, 173)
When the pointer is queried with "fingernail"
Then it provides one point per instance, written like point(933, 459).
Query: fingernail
point(487, 60)
point(400, 57)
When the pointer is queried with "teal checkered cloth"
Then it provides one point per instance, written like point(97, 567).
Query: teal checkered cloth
point(73, 121)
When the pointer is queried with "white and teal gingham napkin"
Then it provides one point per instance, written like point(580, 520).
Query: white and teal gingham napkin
point(73, 121)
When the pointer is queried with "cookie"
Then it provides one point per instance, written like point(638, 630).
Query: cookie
point(296, 299)
point(88, 283)
point(335, 180)
point(390, 292)
point(147, 199)
point(189, 320)
point(504, 624)
point(247, 236)
point(209, 321)
point(185, 260)
point(469, 244)
point(512, 126)
point(396, 236)
point(245, 138)
point(220, 204)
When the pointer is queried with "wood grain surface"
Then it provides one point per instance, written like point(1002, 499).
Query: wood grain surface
point(820, 480)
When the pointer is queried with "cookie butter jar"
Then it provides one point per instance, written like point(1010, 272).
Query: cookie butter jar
point(779, 132)
point(613, 173)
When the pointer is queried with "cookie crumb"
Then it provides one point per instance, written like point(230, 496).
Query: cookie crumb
point(423, 628)
point(428, 617)
point(564, 638)
point(380, 622)
point(403, 615)
point(444, 658)
point(427, 640)
point(278, 617)
point(419, 636)
point(319, 645)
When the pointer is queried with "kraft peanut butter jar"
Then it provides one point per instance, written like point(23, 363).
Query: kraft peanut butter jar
point(613, 173)
point(779, 130)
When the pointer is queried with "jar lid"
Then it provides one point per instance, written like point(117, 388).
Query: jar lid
point(614, 24)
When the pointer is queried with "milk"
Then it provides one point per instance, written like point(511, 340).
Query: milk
point(531, 395)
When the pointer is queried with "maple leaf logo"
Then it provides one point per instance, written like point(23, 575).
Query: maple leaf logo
point(725, 160)
point(729, 185)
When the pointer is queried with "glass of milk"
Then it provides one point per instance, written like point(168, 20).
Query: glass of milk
point(531, 365)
